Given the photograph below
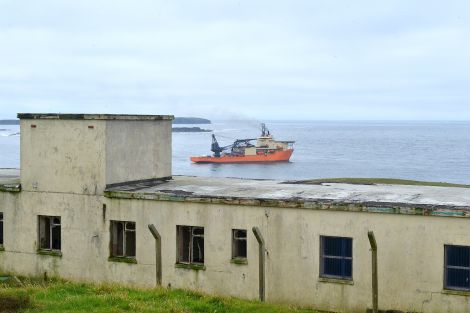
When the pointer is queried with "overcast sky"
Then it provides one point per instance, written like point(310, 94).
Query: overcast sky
point(237, 59)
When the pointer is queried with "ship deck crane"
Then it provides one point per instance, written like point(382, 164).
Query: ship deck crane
point(235, 147)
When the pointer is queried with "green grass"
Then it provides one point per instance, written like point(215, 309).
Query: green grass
point(62, 296)
point(376, 181)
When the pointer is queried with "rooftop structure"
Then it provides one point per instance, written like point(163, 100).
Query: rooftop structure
point(84, 153)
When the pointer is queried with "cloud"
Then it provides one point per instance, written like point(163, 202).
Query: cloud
point(260, 59)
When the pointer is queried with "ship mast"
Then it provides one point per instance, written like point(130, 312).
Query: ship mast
point(264, 131)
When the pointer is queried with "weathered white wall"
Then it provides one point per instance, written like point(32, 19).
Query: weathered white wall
point(65, 166)
point(63, 155)
point(68, 156)
point(137, 150)
point(410, 250)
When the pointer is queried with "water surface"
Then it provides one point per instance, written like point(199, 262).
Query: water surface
point(432, 151)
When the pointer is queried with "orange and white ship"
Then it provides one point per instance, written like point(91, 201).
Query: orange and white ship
point(266, 149)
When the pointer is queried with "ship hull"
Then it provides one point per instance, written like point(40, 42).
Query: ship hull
point(277, 156)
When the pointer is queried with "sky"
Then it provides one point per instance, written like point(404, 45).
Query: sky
point(253, 59)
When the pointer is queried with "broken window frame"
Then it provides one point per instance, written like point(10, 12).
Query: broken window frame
point(1, 230)
point(236, 241)
point(48, 238)
point(194, 238)
point(460, 268)
point(119, 239)
point(343, 257)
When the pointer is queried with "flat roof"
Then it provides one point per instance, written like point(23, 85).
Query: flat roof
point(121, 117)
point(380, 198)
point(414, 200)
point(10, 179)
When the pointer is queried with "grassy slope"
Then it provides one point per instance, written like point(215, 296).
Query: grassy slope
point(61, 296)
point(376, 181)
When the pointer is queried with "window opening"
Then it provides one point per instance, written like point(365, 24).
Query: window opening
point(239, 245)
point(336, 257)
point(49, 233)
point(190, 244)
point(1, 228)
point(123, 239)
point(457, 267)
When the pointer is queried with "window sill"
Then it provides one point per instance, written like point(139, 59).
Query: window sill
point(196, 267)
point(123, 259)
point(456, 292)
point(336, 280)
point(239, 261)
point(50, 252)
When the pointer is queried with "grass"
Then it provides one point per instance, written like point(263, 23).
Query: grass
point(62, 296)
point(378, 181)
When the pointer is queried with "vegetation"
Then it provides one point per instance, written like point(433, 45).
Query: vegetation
point(378, 181)
point(61, 296)
point(190, 130)
point(190, 120)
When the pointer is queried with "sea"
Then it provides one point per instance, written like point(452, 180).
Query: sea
point(431, 151)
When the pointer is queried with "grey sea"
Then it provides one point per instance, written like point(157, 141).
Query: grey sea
point(431, 151)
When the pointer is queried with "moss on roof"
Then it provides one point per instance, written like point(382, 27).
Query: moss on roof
point(378, 181)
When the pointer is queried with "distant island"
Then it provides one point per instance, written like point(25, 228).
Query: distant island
point(177, 120)
point(9, 122)
point(191, 120)
point(190, 130)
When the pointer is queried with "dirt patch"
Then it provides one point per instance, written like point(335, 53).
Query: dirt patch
point(13, 304)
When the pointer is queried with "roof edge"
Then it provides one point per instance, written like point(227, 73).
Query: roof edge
point(296, 203)
point(80, 116)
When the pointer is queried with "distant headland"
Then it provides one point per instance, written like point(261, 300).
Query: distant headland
point(190, 130)
point(191, 120)
point(177, 120)
point(9, 122)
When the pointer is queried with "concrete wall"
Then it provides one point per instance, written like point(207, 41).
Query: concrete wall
point(410, 250)
point(63, 155)
point(83, 156)
point(137, 150)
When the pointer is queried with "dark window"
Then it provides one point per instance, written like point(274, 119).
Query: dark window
point(49, 233)
point(190, 244)
point(122, 239)
point(239, 244)
point(336, 257)
point(457, 267)
point(1, 228)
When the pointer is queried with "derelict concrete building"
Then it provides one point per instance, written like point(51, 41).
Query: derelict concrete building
point(90, 185)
